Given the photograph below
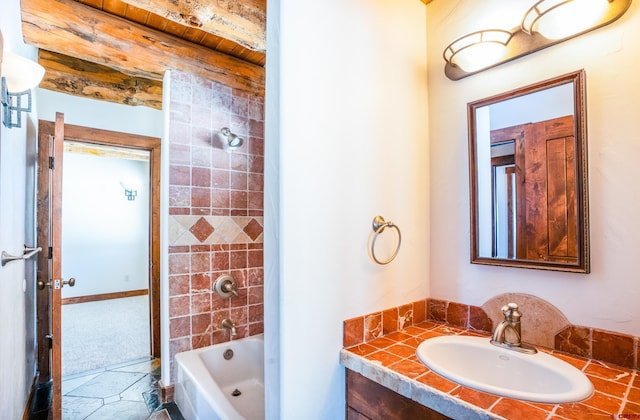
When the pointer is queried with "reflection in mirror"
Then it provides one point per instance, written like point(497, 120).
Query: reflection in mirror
point(527, 151)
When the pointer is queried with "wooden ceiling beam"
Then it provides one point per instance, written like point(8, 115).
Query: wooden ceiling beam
point(81, 78)
point(71, 28)
point(244, 22)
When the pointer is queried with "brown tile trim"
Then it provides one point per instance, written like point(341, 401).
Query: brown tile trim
point(574, 340)
point(363, 329)
point(166, 392)
point(605, 346)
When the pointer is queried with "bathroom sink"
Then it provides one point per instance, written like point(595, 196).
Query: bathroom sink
point(476, 363)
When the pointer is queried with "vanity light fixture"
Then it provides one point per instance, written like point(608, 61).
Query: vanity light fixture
point(546, 23)
point(19, 76)
point(558, 19)
point(477, 50)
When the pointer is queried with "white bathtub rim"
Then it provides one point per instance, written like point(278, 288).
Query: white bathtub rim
point(209, 387)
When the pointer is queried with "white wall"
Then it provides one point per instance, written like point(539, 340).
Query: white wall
point(86, 112)
point(352, 133)
point(608, 297)
point(105, 239)
point(17, 355)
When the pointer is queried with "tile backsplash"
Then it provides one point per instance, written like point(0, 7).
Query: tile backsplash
point(606, 346)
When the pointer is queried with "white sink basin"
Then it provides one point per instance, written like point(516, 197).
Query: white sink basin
point(476, 363)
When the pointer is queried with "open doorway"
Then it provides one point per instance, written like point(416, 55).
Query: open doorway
point(109, 254)
point(105, 247)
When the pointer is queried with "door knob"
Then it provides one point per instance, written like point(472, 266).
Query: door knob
point(57, 284)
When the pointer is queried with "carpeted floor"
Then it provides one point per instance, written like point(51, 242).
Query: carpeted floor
point(104, 333)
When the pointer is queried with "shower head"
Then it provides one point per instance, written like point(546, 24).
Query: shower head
point(233, 141)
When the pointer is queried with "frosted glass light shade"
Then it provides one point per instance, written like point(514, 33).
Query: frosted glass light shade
point(20, 73)
point(478, 50)
point(559, 19)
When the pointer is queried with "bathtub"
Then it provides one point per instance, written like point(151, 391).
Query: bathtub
point(210, 387)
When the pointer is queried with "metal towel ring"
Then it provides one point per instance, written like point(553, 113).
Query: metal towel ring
point(379, 225)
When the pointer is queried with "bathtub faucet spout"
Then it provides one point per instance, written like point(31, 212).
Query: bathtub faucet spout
point(229, 325)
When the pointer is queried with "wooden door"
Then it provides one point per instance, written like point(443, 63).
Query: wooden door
point(517, 135)
point(546, 196)
point(49, 299)
point(57, 281)
point(550, 189)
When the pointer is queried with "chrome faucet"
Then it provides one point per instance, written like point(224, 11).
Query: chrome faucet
point(228, 324)
point(508, 333)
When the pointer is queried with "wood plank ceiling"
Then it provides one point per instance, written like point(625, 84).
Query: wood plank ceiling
point(191, 34)
point(114, 51)
point(119, 50)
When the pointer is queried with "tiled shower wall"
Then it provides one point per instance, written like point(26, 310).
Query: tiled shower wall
point(215, 212)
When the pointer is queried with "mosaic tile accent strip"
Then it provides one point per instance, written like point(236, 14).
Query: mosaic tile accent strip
point(214, 230)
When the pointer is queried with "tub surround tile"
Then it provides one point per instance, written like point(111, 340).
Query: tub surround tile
point(216, 212)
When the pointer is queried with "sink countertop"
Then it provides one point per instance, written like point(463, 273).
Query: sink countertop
point(392, 362)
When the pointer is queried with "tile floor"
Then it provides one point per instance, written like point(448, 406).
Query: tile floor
point(125, 392)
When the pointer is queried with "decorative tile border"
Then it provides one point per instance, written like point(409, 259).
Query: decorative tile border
point(214, 230)
point(605, 346)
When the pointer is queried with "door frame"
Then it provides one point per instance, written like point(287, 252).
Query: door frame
point(106, 138)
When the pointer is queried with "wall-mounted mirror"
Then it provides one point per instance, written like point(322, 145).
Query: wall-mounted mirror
point(528, 177)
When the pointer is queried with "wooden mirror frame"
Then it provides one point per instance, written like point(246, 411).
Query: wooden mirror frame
point(580, 135)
